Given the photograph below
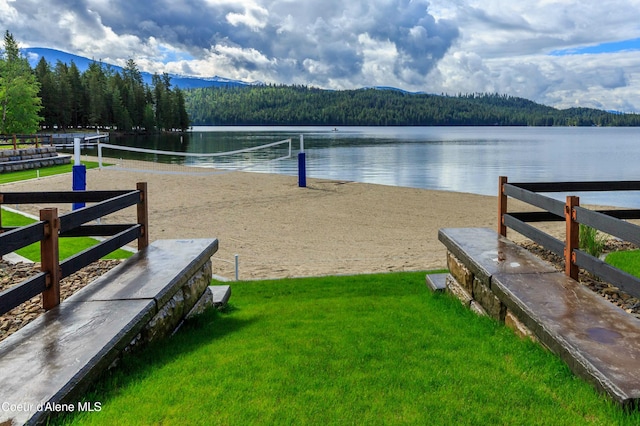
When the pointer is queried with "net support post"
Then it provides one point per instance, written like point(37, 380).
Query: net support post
point(302, 165)
point(78, 173)
point(99, 155)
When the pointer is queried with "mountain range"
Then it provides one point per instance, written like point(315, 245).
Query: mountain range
point(52, 56)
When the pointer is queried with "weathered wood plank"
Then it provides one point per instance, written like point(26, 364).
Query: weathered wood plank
point(20, 293)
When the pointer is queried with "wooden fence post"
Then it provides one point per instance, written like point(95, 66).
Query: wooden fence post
point(15, 143)
point(143, 215)
point(572, 237)
point(49, 257)
point(502, 206)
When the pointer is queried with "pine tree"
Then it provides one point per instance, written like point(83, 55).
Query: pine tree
point(48, 93)
point(183, 117)
point(95, 87)
point(64, 98)
point(77, 96)
point(134, 93)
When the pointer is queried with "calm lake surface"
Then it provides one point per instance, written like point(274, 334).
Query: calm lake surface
point(463, 159)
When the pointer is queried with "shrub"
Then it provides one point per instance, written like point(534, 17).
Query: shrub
point(591, 241)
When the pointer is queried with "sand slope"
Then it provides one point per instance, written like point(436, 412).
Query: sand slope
point(281, 230)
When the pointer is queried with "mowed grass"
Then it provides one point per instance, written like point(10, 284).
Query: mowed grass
point(43, 172)
point(368, 349)
point(628, 261)
point(67, 246)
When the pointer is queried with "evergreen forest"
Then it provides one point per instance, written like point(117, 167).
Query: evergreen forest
point(61, 97)
point(105, 98)
point(302, 105)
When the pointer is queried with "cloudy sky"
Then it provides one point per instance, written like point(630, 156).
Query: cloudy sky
point(558, 52)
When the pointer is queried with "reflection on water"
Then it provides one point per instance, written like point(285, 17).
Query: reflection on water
point(465, 159)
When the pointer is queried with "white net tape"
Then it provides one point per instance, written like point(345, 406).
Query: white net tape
point(128, 158)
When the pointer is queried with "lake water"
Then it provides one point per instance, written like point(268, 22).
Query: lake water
point(464, 159)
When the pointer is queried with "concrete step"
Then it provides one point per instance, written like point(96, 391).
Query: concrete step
point(437, 283)
point(221, 294)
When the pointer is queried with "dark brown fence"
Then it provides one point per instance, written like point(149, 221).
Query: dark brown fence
point(612, 222)
point(74, 224)
point(15, 141)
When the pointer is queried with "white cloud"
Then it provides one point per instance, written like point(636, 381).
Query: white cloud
point(254, 17)
point(438, 46)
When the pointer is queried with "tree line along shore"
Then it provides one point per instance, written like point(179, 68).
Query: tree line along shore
point(60, 96)
point(302, 105)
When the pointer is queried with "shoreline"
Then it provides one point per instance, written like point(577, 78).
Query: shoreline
point(280, 230)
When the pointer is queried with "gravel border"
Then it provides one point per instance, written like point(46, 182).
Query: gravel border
point(11, 274)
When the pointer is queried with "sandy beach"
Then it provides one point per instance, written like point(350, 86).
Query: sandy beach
point(280, 230)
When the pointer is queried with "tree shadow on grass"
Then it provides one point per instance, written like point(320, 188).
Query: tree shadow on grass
point(201, 330)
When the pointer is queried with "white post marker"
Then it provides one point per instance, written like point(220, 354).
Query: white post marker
point(76, 151)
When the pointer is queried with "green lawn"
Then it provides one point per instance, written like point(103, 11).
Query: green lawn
point(67, 246)
point(368, 349)
point(43, 172)
point(628, 261)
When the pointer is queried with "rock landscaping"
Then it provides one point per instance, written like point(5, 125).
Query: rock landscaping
point(11, 274)
point(12, 160)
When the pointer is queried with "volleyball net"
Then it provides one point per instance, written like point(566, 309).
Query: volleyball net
point(128, 158)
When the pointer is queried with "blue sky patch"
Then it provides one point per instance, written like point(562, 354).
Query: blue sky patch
point(616, 46)
point(172, 55)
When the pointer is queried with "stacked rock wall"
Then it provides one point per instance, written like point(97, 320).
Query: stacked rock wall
point(12, 160)
point(475, 293)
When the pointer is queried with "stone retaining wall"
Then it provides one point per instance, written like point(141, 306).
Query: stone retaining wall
point(476, 294)
point(12, 160)
point(176, 309)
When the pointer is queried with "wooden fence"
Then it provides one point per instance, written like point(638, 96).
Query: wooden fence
point(16, 141)
point(612, 222)
point(74, 224)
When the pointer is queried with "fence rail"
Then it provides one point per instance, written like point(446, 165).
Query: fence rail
point(51, 226)
point(14, 141)
point(612, 222)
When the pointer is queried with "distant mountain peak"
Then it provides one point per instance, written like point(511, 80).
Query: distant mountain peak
point(52, 56)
